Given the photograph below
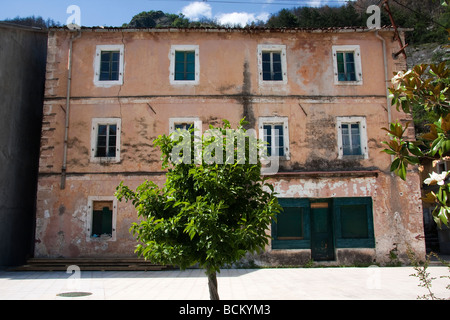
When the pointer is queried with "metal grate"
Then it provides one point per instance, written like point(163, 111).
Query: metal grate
point(74, 294)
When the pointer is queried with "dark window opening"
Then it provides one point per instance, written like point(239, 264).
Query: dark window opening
point(106, 140)
point(351, 139)
point(271, 66)
point(346, 66)
point(274, 137)
point(109, 66)
point(102, 219)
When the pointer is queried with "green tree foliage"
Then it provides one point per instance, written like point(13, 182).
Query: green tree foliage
point(322, 17)
point(208, 213)
point(428, 18)
point(157, 19)
point(284, 19)
point(424, 87)
point(33, 21)
point(152, 19)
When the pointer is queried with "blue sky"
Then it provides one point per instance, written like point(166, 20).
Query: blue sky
point(117, 12)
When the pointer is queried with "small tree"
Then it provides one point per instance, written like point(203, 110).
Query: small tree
point(209, 213)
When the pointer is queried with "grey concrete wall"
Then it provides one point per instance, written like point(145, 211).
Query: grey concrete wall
point(23, 53)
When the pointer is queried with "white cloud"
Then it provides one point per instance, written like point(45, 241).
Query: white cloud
point(197, 10)
point(319, 3)
point(240, 18)
point(314, 3)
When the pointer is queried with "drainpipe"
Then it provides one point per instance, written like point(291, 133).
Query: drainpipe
point(66, 129)
point(386, 80)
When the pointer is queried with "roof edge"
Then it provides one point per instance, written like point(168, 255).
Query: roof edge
point(225, 29)
point(8, 25)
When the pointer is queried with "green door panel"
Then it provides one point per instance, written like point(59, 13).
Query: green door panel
point(322, 244)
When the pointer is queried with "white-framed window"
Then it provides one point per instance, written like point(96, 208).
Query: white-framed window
point(105, 140)
point(352, 138)
point(184, 64)
point(185, 123)
point(272, 66)
point(108, 65)
point(101, 218)
point(441, 166)
point(275, 132)
point(347, 65)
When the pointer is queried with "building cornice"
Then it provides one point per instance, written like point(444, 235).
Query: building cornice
point(235, 30)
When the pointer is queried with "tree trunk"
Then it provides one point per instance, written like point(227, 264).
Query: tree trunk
point(212, 284)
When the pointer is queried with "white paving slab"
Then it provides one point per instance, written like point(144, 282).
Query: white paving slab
point(373, 283)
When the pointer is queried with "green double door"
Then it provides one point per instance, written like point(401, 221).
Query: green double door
point(322, 239)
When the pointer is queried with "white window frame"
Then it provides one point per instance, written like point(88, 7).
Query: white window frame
point(94, 132)
point(175, 48)
point(362, 133)
point(196, 121)
point(89, 221)
point(438, 164)
point(272, 48)
point(97, 60)
point(276, 120)
point(358, 67)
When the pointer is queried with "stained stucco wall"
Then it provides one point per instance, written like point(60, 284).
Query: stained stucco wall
point(228, 88)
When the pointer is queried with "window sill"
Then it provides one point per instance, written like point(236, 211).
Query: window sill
point(104, 160)
point(282, 158)
point(103, 237)
point(269, 83)
point(184, 82)
point(353, 157)
point(348, 83)
point(107, 84)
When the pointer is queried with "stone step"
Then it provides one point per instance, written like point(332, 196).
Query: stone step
point(90, 264)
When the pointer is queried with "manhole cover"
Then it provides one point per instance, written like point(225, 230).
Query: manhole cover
point(74, 294)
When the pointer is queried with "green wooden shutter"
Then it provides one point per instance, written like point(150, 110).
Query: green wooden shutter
point(291, 229)
point(101, 222)
point(290, 224)
point(353, 222)
point(106, 221)
point(96, 223)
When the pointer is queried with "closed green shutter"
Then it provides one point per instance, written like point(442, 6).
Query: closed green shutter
point(347, 221)
point(106, 221)
point(291, 229)
point(101, 222)
point(185, 65)
point(290, 224)
point(97, 223)
point(354, 222)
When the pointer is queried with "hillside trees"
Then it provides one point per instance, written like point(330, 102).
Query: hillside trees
point(428, 18)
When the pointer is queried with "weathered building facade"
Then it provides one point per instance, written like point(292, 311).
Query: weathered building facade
point(318, 97)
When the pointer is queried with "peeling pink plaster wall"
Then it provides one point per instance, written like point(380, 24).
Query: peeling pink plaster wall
point(228, 89)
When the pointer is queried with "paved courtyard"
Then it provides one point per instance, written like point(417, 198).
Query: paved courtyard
point(372, 283)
